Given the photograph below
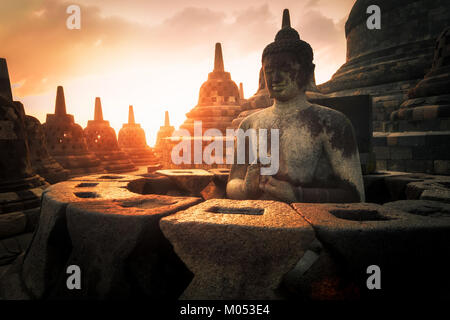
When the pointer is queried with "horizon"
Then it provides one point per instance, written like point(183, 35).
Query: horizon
point(152, 55)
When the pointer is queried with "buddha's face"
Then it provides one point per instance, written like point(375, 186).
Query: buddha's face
point(281, 71)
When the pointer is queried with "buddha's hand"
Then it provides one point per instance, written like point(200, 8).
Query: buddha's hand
point(251, 182)
point(279, 189)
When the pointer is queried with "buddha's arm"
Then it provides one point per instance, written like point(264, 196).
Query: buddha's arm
point(243, 182)
point(342, 151)
point(235, 185)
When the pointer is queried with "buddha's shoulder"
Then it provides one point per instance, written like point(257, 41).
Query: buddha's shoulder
point(256, 117)
point(327, 116)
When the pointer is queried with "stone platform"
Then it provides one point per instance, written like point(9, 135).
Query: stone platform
point(237, 249)
point(404, 245)
point(111, 233)
point(133, 243)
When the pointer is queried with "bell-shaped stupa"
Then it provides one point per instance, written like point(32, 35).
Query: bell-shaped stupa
point(132, 141)
point(421, 126)
point(41, 161)
point(20, 186)
point(101, 139)
point(218, 102)
point(66, 142)
point(165, 131)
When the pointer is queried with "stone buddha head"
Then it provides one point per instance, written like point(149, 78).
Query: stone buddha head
point(287, 63)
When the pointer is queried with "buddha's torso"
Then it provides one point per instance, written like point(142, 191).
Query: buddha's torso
point(302, 158)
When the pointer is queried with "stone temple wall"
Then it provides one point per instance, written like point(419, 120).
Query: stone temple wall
point(410, 133)
point(386, 63)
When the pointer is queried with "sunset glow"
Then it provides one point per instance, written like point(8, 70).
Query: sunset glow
point(153, 55)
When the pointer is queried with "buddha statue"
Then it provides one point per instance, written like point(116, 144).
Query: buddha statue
point(318, 154)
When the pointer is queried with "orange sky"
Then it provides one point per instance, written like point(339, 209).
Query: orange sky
point(152, 54)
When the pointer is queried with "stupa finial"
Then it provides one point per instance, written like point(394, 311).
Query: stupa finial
point(60, 104)
point(286, 19)
point(131, 115)
point(5, 83)
point(218, 58)
point(166, 119)
point(98, 113)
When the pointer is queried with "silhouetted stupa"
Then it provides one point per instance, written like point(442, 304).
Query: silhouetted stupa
point(132, 141)
point(218, 102)
point(165, 131)
point(101, 139)
point(66, 142)
point(41, 161)
point(20, 187)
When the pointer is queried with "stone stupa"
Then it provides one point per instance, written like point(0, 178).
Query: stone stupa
point(41, 161)
point(20, 186)
point(164, 132)
point(132, 141)
point(386, 63)
point(66, 142)
point(419, 132)
point(218, 101)
point(101, 139)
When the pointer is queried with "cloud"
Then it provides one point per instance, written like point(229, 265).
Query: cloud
point(42, 52)
point(327, 38)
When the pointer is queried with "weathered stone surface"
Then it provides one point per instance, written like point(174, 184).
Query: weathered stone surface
point(403, 245)
point(11, 284)
point(11, 224)
point(430, 189)
point(214, 191)
point(153, 183)
point(153, 168)
point(422, 117)
point(191, 180)
point(237, 249)
point(41, 161)
point(20, 187)
point(209, 160)
point(11, 247)
point(317, 158)
point(379, 190)
point(421, 207)
point(319, 276)
point(383, 63)
point(112, 234)
point(220, 175)
point(217, 188)
point(358, 109)
point(101, 140)
point(104, 177)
